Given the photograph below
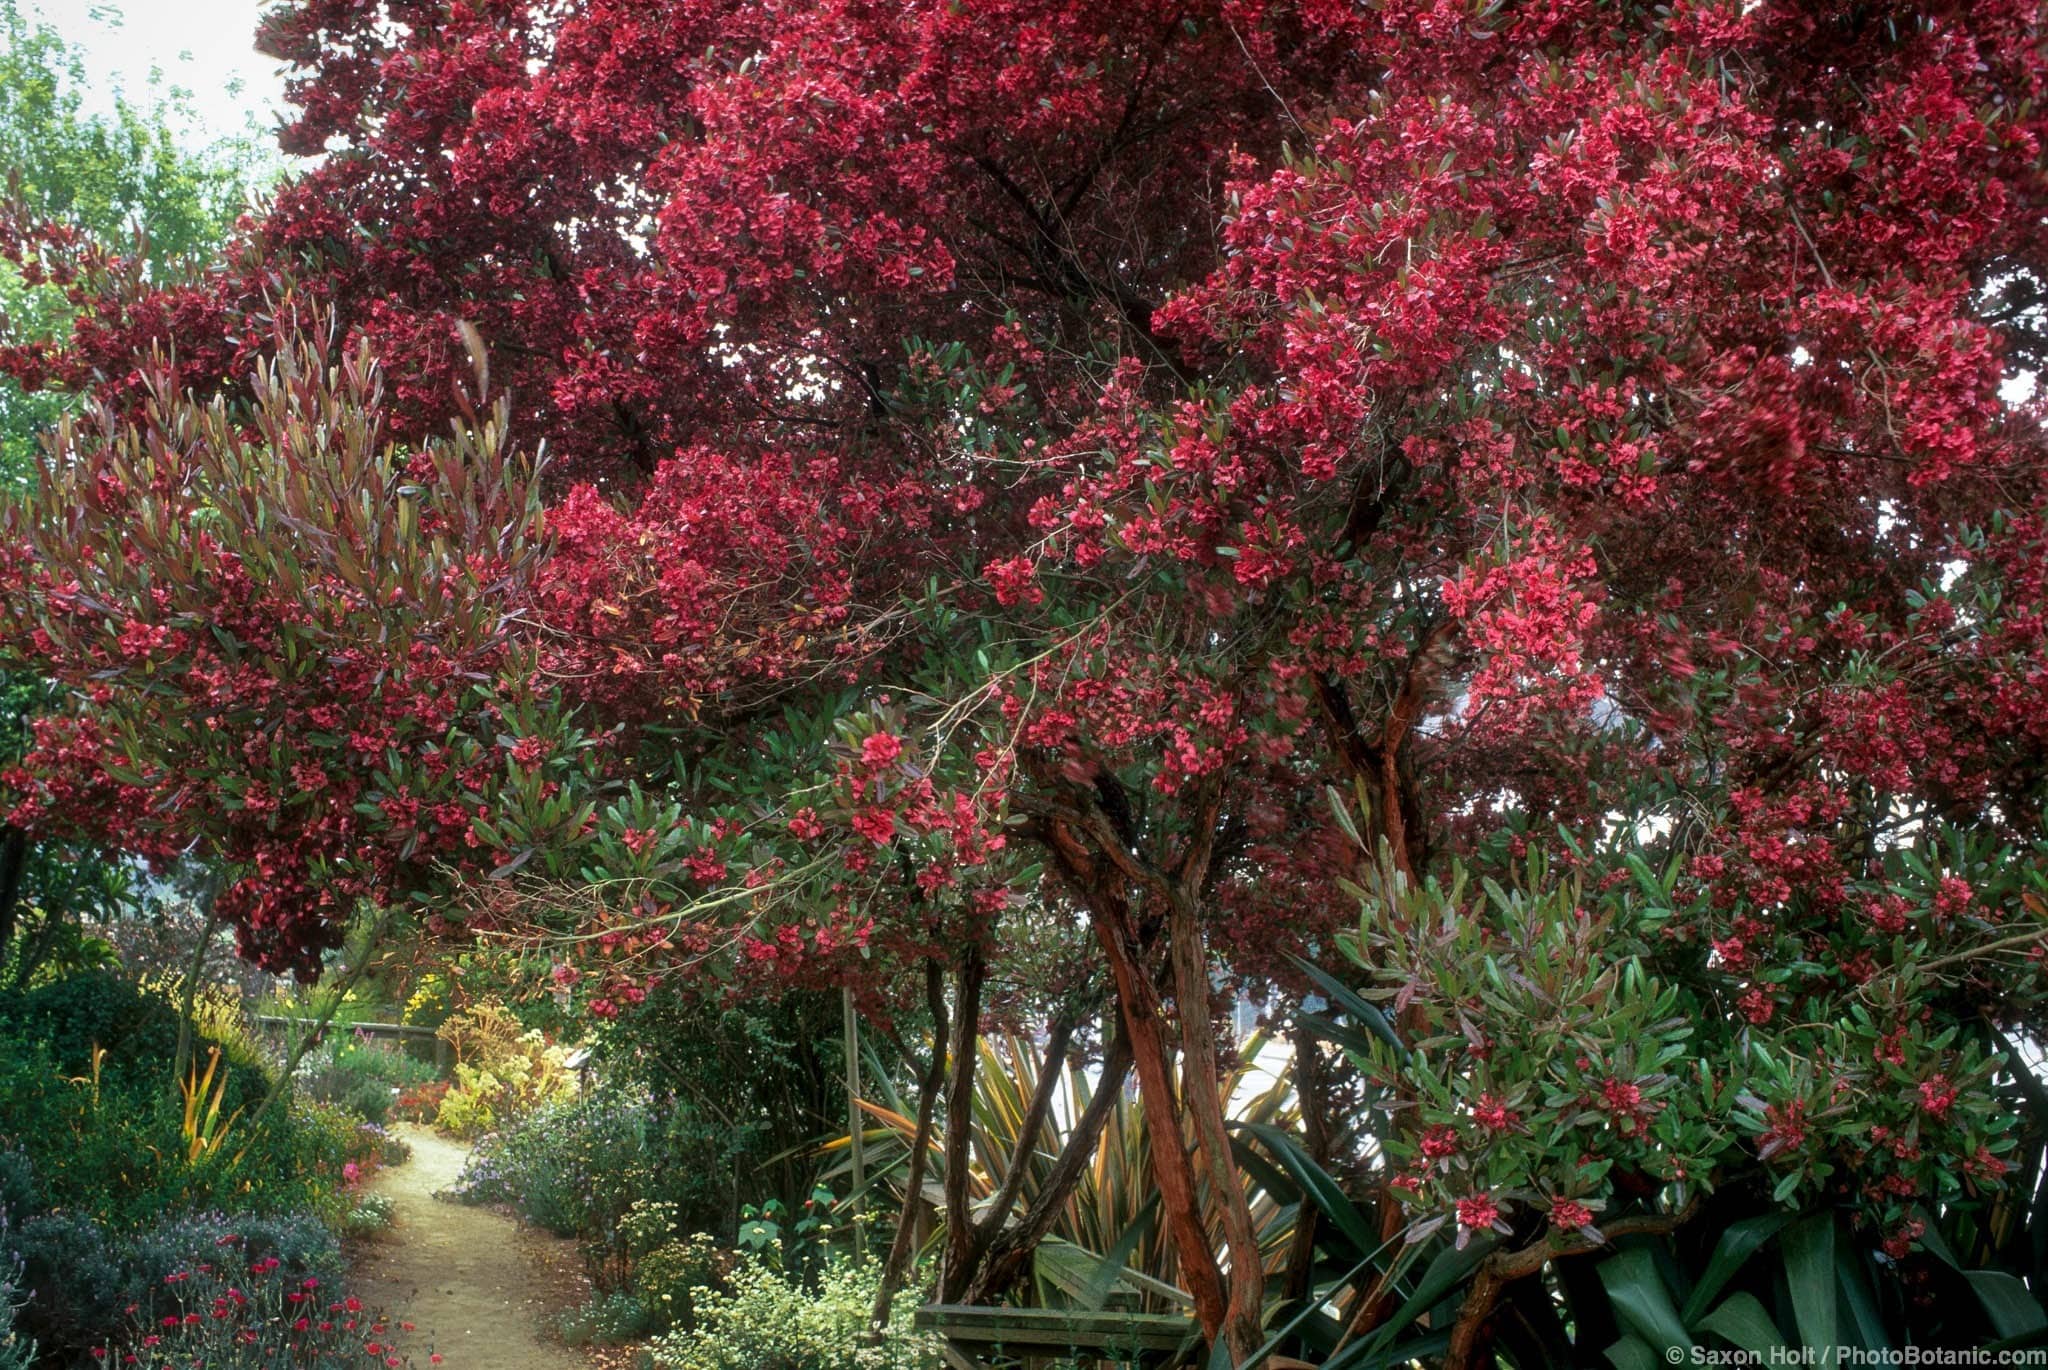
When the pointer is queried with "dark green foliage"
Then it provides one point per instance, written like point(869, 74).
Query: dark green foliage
point(74, 1276)
point(703, 1164)
point(71, 1017)
point(82, 1281)
point(741, 1092)
point(18, 1191)
point(106, 1143)
point(706, 1120)
point(117, 1155)
point(93, 1160)
point(74, 1015)
point(1737, 1270)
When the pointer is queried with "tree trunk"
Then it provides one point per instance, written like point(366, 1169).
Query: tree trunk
point(182, 1061)
point(1205, 1105)
point(857, 1135)
point(1096, 850)
point(1311, 1081)
point(1012, 1247)
point(1172, 1168)
point(920, 1147)
point(958, 1278)
point(960, 1116)
point(13, 866)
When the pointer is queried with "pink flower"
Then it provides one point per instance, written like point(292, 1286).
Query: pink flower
point(1569, 1215)
point(1478, 1213)
point(1440, 1142)
point(1494, 1115)
point(1621, 1096)
point(1784, 1129)
point(880, 749)
point(876, 825)
point(1937, 1095)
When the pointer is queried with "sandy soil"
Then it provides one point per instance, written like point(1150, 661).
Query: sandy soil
point(479, 1289)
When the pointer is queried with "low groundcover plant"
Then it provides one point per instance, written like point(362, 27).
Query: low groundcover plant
point(235, 1314)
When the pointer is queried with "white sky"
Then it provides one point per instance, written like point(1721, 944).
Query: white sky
point(203, 47)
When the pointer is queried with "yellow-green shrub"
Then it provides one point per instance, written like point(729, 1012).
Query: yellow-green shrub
point(768, 1320)
point(513, 1079)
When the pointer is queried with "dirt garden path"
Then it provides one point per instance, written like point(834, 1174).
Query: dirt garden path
point(479, 1289)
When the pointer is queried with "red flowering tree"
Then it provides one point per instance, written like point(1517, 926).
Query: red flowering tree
point(284, 637)
point(1037, 448)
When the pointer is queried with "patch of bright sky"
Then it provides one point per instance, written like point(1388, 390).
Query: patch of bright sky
point(205, 49)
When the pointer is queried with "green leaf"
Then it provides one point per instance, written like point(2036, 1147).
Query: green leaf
point(1115, 1265)
point(2011, 1308)
point(1641, 1301)
point(1741, 1241)
point(1450, 1269)
point(1342, 812)
point(1344, 997)
point(1743, 1323)
point(1427, 1349)
point(1312, 1307)
point(1316, 1184)
point(2020, 1343)
point(1632, 1353)
point(1330, 1030)
point(1861, 1302)
point(1809, 1247)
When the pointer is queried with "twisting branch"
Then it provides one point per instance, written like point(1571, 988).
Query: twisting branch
point(1503, 1268)
point(1040, 1109)
point(960, 1113)
point(1013, 1245)
point(920, 1145)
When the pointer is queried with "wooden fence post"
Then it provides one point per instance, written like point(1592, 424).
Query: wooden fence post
point(853, 1119)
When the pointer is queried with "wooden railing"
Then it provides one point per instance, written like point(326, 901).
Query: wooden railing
point(968, 1331)
point(444, 1054)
